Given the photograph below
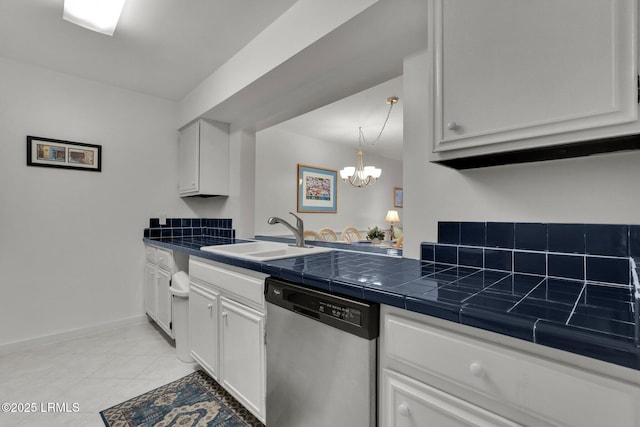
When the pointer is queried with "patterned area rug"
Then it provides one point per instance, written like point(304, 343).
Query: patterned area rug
point(195, 400)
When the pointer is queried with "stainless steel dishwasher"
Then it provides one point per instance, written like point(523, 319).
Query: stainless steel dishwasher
point(321, 358)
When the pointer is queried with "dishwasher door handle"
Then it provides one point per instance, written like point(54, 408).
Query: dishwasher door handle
point(305, 312)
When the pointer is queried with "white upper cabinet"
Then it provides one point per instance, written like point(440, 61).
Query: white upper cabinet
point(512, 75)
point(203, 159)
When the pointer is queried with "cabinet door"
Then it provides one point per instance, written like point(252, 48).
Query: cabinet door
point(491, 374)
point(409, 403)
point(163, 318)
point(507, 72)
point(203, 327)
point(189, 159)
point(150, 291)
point(242, 355)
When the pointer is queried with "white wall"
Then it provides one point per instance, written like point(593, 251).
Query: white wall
point(278, 153)
point(71, 251)
point(596, 189)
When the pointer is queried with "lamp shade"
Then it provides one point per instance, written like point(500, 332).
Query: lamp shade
point(392, 216)
point(347, 172)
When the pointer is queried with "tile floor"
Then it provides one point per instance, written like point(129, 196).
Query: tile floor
point(88, 374)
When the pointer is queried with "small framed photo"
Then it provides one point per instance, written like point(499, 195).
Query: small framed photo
point(397, 197)
point(55, 153)
point(317, 189)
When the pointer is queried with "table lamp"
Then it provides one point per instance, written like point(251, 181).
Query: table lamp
point(392, 216)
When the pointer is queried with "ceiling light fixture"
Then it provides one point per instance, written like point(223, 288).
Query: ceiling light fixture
point(360, 175)
point(97, 15)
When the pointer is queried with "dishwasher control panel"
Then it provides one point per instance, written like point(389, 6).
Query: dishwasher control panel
point(348, 314)
point(357, 317)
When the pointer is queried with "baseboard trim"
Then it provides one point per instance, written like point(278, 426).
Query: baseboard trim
point(73, 333)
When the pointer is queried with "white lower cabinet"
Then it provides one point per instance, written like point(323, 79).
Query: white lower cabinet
point(158, 270)
point(227, 326)
point(164, 314)
point(409, 403)
point(242, 357)
point(434, 373)
point(150, 290)
point(203, 327)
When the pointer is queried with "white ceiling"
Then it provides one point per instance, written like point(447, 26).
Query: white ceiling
point(160, 47)
point(338, 122)
point(165, 48)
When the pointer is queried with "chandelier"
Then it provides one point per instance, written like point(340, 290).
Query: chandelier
point(360, 175)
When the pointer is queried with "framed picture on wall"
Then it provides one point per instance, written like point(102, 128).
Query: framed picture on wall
point(317, 189)
point(397, 197)
point(55, 153)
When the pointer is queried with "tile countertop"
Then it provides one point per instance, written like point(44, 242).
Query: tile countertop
point(582, 317)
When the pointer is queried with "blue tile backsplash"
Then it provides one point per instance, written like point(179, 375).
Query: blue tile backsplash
point(530, 262)
point(607, 239)
point(446, 254)
point(449, 232)
point(569, 286)
point(568, 266)
point(566, 238)
point(594, 252)
point(186, 227)
point(530, 236)
point(473, 233)
point(497, 259)
point(500, 234)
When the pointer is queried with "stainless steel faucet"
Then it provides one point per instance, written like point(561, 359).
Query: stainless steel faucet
point(298, 230)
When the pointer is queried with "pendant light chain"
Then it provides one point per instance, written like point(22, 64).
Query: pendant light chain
point(391, 101)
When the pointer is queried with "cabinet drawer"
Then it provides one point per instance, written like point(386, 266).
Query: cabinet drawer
point(409, 403)
point(150, 253)
point(556, 393)
point(229, 280)
point(164, 259)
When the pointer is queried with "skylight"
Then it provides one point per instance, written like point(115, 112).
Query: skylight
point(96, 15)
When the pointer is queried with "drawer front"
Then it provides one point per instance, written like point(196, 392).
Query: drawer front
point(165, 259)
point(558, 394)
point(150, 253)
point(234, 282)
point(409, 403)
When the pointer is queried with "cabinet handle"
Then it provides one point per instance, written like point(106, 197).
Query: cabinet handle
point(224, 314)
point(476, 369)
point(452, 126)
point(403, 409)
point(210, 306)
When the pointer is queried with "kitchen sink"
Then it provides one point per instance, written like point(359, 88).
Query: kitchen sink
point(263, 250)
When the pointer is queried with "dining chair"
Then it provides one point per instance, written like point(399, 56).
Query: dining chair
point(328, 234)
point(312, 235)
point(351, 234)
